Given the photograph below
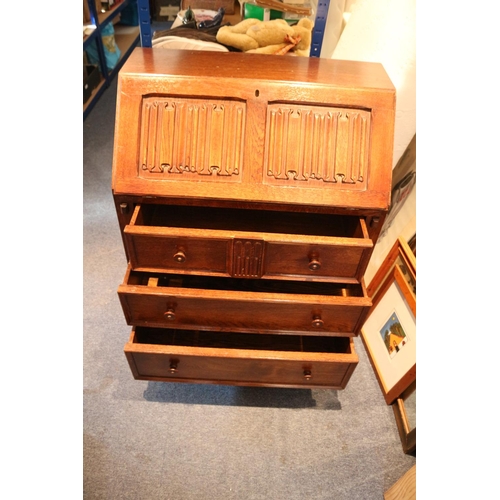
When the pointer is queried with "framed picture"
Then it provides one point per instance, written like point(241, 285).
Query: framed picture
point(389, 332)
point(402, 255)
point(404, 179)
point(405, 414)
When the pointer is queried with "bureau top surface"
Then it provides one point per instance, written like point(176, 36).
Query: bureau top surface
point(252, 127)
point(186, 63)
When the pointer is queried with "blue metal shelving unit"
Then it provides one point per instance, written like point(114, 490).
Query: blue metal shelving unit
point(319, 27)
point(145, 23)
point(95, 37)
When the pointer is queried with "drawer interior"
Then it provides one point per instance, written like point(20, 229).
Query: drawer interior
point(260, 221)
point(232, 340)
point(139, 278)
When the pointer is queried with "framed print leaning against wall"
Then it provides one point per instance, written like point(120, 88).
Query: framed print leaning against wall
point(389, 332)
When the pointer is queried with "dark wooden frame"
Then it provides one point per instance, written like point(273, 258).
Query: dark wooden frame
point(388, 273)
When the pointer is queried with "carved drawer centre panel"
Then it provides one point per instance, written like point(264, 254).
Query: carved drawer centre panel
point(247, 258)
point(322, 146)
point(185, 139)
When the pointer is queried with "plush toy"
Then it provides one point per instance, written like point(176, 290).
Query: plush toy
point(268, 37)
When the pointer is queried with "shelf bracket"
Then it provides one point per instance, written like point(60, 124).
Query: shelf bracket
point(319, 28)
point(144, 23)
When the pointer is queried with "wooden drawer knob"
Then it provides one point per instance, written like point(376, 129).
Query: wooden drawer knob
point(307, 374)
point(314, 263)
point(170, 314)
point(173, 365)
point(317, 322)
point(180, 255)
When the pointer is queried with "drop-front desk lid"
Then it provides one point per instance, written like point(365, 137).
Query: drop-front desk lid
point(261, 128)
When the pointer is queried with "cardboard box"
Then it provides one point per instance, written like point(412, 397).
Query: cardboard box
point(209, 5)
point(166, 10)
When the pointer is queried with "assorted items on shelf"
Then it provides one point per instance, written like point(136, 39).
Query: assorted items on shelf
point(194, 29)
point(110, 32)
point(277, 36)
point(287, 27)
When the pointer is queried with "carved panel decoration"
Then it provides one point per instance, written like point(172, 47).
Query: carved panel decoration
point(192, 138)
point(247, 258)
point(318, 145)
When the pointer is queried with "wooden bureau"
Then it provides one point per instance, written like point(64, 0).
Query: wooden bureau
point(250, 191)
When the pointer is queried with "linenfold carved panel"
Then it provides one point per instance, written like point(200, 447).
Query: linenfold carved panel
point(318, 145)
point(247, 258)
point(191, 138)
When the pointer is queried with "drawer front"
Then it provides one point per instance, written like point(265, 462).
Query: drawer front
point(236, 366)
point(209, 308)
point(247, 244)
point(177, 252)
point(337, 262)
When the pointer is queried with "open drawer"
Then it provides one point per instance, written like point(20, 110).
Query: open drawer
point(240, 359)
point(248, 243)
point(243, 305)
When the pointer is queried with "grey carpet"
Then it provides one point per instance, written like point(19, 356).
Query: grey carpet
point(149, 440)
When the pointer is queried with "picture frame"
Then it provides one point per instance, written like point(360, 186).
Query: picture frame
point(405, 414)
point(389, 332)
point(404, 179)
point(402, 254)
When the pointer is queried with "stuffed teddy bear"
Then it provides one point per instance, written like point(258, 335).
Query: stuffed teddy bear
point(268, 37)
